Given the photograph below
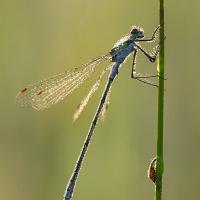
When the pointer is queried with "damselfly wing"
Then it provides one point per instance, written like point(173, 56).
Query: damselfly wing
point(50, 91)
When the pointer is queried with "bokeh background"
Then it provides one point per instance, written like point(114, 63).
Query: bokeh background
point(38, 150)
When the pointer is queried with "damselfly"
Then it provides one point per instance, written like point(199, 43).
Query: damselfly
point(52, 90)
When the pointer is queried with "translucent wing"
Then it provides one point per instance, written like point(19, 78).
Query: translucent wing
point(50, 91)
point(86, 99)
point(105, 106)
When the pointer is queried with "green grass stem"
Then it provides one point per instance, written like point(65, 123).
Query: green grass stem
point(160, 67)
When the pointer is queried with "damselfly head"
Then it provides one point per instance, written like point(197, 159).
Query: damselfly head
point(137, 32)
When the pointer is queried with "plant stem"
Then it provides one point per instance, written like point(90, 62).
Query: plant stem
point(160, 67)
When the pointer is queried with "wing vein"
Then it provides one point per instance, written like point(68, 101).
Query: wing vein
point(49, 91)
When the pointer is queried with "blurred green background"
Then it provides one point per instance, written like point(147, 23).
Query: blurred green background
point(38, 150)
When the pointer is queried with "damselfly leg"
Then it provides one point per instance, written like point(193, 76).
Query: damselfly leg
point(152, 58)
point(153, 37)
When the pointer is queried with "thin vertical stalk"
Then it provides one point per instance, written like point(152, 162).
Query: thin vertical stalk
point(160, 67)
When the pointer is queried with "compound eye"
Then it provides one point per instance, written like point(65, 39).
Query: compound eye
point(134, 31)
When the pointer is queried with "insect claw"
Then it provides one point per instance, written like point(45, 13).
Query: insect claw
point(152, 59)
